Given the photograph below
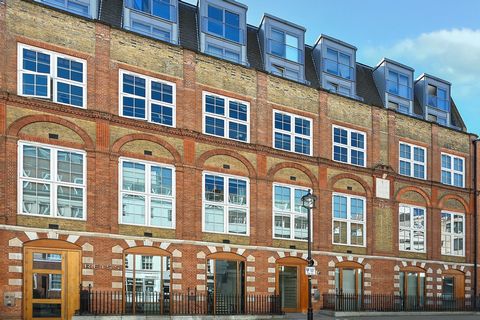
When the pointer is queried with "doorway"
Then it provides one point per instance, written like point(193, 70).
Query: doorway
point(292, 284)
point(52, 280)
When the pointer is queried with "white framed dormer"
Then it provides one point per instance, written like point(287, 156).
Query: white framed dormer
point(52, 181)
point(283, 47)
point(292, 133)
point(50, 75)
point(225, 204)
point(146, 193)
point(154, 18)
point(223, 29)
point(226, 117)
point(290, 218)
point(394, 82)
point(146, 98)
point(86, 8)
point(335, 61)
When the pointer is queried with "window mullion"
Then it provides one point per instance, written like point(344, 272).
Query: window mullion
point(53, 186)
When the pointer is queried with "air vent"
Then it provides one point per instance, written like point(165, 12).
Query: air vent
point(226, 166)
point(147, 152)
point(147, 234)
point(226, 241)
point(53, 136)
point(293, 247)
point(349, 188)
point(349, 251)
point(293, 178)
point(53, 226)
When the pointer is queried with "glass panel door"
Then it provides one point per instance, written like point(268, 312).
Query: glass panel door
point(288, 285)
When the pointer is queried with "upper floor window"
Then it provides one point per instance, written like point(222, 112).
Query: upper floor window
point(52, 181)
point(86, 8)
point(226, 117)
point(453, 170)
point(349, 220)
point(146, 98)
point(147, 193)
point(154, 18)
point(289, 216)
point(224, 53)
point(398, 84)
point(338, 63)
point(285, 45)
point(225, 204)
point(413, 161)
point(51, 75)
point(224, 23)
point(292, 133)
point(437, 98)
point(403, 108)
point(412, 228)
point(349, 146)
point(337, 88)
point(453, 233)
point(285, 72)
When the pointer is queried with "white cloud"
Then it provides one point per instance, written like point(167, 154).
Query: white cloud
point(453, 55)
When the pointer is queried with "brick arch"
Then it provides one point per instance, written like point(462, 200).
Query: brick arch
point(271, 173)
point(15, 127)
point(224, 152)
point(446, 197)
point(117, 145)
point(226, 255)
point(414, 189)
point(351, 176)
point(52, 244)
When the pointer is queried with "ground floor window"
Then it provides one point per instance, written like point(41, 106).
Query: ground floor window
point(348, 278)
point(147, 282)
point(453, 286)
point(412, 288)
point(226, 284)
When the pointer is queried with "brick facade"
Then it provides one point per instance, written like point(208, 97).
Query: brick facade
point(106, 136)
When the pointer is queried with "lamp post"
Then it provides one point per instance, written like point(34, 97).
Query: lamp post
point(308, 202)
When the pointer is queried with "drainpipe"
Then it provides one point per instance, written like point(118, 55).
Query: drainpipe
point(475, 217)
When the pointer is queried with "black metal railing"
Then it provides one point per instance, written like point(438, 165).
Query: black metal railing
point(118, 302)
point(393, 303)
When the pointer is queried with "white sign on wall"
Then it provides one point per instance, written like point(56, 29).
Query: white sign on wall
point(383, 188)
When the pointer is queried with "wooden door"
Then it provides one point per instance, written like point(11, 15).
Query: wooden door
point(51, 283)
point(292, 284)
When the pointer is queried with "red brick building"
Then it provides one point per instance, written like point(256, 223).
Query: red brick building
point(135, 159)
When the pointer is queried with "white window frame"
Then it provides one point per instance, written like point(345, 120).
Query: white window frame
point(412, 160)
point(451, 171)
point(292, 133)
point(147, 195)
point(92, 7)
point(349, 220)
point(411, 229)
point(290, 212)
point(225, 203)
point(148, 97)
point(348, 146)
point(226, 118)
point(53, 182)
point(453, 235)
point(52, 78)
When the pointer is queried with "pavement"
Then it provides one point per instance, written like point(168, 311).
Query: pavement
point(399, 316)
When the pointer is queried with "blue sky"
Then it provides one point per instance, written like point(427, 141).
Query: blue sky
point(439, 37)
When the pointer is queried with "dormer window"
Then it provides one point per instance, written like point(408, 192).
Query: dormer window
point(283, 48)
point(223, 23)
point(154, 18)
point(398, 84)
point(337, 88)
point(86, 8)
point(284, 45)
point(437, 98)
point(338, 63)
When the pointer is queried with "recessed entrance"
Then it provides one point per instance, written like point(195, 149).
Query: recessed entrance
point(52, 280)
point(292, 284)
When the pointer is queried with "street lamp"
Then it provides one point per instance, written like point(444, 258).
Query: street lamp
point(308, 202)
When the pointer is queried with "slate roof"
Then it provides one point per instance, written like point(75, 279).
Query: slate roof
point(111, 13)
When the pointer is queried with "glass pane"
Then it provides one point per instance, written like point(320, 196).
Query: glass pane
point(133, 176)
point(282, 198)
point(215, 126)
point(446, 223)
point(237, 191)
point(340, 232)
point(214, 218)
point(299, 193)
point(412, 284)
point(70, 167)
point(237, 221)
point(283, 141)
point(356, 209)
point(288, 286)
point(161, 180)
point(283, 122)
point(161, 215)
point(348, 281)
point(356, 234)
point(214, 104)
point(214, 188)
point(238, 110)
point(282, 226)
point(70, 202)
point(36, 198)
point(133, 209)
point(405, 151)
point(340, 207)
point(226, 275)
point(36, 162)
point(46, 310)
point(47, 261)
point(301, 228)
point(448, 287)
point(47, 286)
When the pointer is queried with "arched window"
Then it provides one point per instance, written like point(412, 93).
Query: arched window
point(226, 282)
point(147, 280)
point(412, 287)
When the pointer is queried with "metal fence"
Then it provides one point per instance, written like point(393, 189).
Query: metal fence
point(392, 303)
point(119, 302)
